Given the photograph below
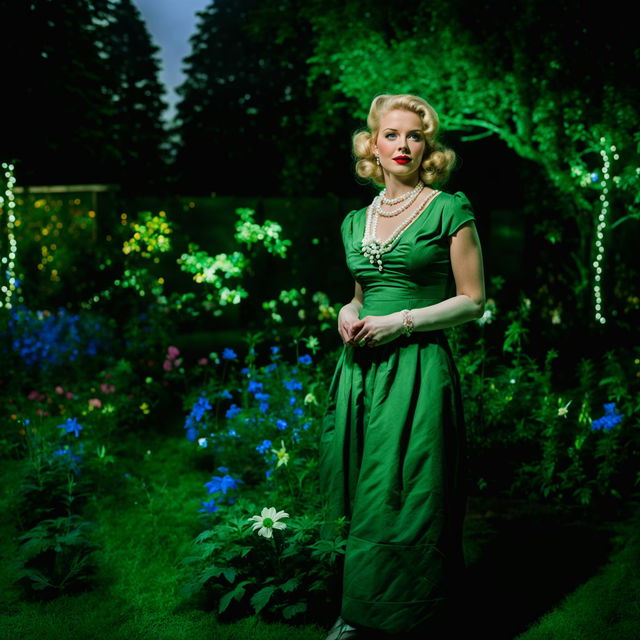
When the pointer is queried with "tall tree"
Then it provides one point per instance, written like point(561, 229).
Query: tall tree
point(56, 109)
point(244, 119)
point(131, 71)
point(548, 78)
point(84, 102)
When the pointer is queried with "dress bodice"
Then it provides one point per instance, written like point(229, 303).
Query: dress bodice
point(417, 269)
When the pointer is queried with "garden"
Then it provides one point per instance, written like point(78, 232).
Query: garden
point(165, 360)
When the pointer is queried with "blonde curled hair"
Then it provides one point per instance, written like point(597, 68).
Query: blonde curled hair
point(437, 160)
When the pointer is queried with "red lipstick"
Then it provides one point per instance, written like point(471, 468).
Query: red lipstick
point(402, 159)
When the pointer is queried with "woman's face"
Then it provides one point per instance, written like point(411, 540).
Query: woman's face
point(400, 143)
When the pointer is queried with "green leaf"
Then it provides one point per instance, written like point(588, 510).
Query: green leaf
point(290, 585)
point(293, 609)
point(230, 574)
point(262, 597)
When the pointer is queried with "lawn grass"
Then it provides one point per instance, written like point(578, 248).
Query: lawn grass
point(147, 521)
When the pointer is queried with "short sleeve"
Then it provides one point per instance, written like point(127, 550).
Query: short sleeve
point(457, 213)
point(346, 227)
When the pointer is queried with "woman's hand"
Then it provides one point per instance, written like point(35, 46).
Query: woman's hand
point(347, 317)
point(377, 330)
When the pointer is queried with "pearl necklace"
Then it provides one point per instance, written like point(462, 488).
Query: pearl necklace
point(385, 200)
point(409, 198)
point(372, 247)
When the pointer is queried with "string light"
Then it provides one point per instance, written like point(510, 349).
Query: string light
point(600, 228)
point(8, 262)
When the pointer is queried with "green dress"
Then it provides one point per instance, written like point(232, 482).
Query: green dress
point(392, 443)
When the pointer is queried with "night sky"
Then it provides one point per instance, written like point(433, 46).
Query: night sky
point(171, 24)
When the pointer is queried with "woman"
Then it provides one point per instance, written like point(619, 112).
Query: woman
point(392, 449)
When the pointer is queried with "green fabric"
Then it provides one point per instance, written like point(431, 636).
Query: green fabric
point(392, 444)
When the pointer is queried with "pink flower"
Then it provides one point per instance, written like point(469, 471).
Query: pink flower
point(203, 361)
point(59, 390)
point(173, 353)
point(33, 395)
point(95, 402)
point(68, 394)
point(167, 365)
point(107, 388)
point(178, 362)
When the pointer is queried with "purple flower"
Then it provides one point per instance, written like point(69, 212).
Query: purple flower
point(229, 354)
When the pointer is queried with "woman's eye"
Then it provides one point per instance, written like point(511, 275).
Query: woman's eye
point(415, 136)
point(389, 135)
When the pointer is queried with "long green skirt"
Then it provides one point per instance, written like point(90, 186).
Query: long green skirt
point(392, 460)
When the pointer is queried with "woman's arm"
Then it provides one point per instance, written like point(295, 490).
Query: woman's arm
point(467, 304)
point(349, 315)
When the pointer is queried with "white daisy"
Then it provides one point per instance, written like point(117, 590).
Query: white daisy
point(267, 521)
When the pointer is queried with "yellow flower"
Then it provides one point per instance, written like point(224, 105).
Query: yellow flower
point(283, 456)
point(144, 407)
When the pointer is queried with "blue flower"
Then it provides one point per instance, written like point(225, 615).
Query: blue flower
point(261, 396)
point(275, 350)
point(192, 434)
point(221, 483)
point(298, 411)
point(292, 400)
point(281, 424)
point(306, 425)
point(229, 354)
point(594, 176)
point(264, 407)
point(233, 410)
point(71, 426)
point(292, 385)
point(209, 507)
point(226, 394)
point(305, 359)
point(244, 371)
point(200, 407)
point(267, 473)
point(264, 446)
point(610, 419)
point(271, 367)
point(223, 469)
point(254, 386)
point(233, 433)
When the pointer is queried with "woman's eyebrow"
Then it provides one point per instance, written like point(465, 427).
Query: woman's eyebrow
point(392, 129)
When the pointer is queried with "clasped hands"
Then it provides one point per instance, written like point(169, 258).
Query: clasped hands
point(370, 331)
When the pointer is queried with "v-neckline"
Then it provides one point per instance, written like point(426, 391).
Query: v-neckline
point(382, 242)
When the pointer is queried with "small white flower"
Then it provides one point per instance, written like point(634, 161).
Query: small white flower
point(310, 399)
point(267, 521)
point(562, 411)
point(202, 442)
